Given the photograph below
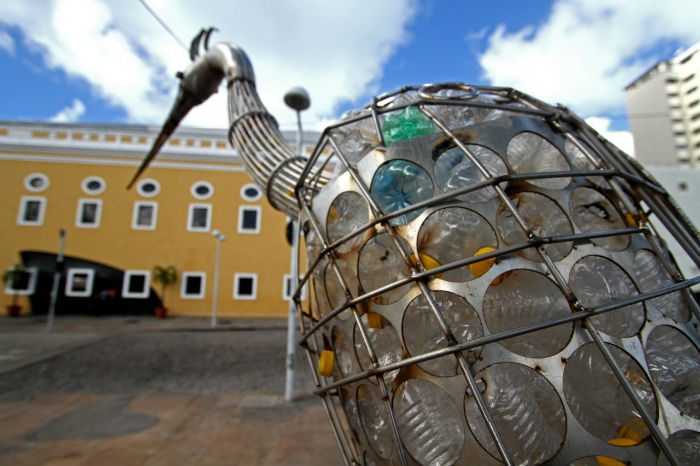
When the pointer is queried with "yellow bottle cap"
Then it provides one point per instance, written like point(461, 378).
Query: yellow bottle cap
point(325, 363)
point(429, 262)
point(501, 277)
point(622, 442)
point(374, 320)
point(481, 267)
point(607, 461)
point(631, 431)
point(333, 214)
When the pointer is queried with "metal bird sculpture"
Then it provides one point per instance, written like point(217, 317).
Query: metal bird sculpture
point(486, 280)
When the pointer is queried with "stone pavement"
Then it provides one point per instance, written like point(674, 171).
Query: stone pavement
point(141, 391)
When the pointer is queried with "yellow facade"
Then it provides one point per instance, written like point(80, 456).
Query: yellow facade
point(62, 158)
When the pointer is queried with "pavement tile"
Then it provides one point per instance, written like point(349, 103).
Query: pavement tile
point(64, 401)
point(189, 430)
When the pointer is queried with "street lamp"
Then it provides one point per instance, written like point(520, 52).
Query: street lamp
point(297, 99)
point(219, 239)
point(56, 280)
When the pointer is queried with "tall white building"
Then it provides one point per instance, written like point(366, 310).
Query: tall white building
point(664, 111)
point(683, 185)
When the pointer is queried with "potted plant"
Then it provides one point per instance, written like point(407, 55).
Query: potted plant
point(166, 276)
point(11, 278)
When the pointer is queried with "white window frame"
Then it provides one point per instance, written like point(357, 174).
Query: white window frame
point(201, 197)
point(31, 286)
point(251, 198)
point(135, 215)
point(98, 213)
point(147, 284)
point(142, 183)
point(258, 220)
point(23, 210)
point(35, 189)
point(93, 192)
point(250, 297)
point(183, 286)
point(70, 275)
point(190, 217)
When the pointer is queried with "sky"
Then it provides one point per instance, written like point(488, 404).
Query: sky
point(111, 61)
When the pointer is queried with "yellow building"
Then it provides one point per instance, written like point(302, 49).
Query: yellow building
point(74, 176)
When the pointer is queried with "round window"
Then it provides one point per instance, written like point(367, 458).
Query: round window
point(94, 185)
point(251, 192)
point(36, 182)
point(202, 190)
point(148, 188)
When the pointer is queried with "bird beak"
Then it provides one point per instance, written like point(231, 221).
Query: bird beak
point(197, 83)
point(185, 102)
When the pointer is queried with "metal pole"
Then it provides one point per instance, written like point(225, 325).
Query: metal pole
point(293, 271)
point(646, 416)
point(298, 99)
point(56, 279)
point(299, 133)
point(291, 322)
point(215, 299)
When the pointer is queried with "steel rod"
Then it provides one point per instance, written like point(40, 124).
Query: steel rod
point(495, 337)
point(631, 393)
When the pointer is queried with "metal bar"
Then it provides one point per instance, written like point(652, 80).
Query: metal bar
point(495, 337)
point(467, 103)
point(291, 321)
point(484, 171)
point(215, 297)
point(356, 315)
point(452, 194)
point(606, 156)
point(56, 279)
point(468, 376)
point(264, 149)
point(673, 271)
point(421, 275)
point(375, 119)
point(340, 440)
point(376, 211)
point(386, 397)
point(631, 393)
point(679, 230)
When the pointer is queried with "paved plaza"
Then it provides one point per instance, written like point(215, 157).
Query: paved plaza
point(141, 391)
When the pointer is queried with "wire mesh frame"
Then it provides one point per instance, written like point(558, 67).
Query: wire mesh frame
point(639, 183)
point(269, 160)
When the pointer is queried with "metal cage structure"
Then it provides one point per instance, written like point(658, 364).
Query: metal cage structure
point(487, 285)
point(486, 279)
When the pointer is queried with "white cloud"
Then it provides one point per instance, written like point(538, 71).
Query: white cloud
point(7, 43)
point(335, 50)
point(70, 114)
point(622, 139)
point(587, 51)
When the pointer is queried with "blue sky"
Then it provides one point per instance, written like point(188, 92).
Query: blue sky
point(109, 61)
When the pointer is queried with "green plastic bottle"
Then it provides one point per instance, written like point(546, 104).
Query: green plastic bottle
point(406, 124)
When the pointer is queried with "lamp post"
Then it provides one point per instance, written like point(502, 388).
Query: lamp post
point(56, 279)
point(297, 99)
point(219, 239)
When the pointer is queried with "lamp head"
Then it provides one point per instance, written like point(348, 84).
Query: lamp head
point(297, 98)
